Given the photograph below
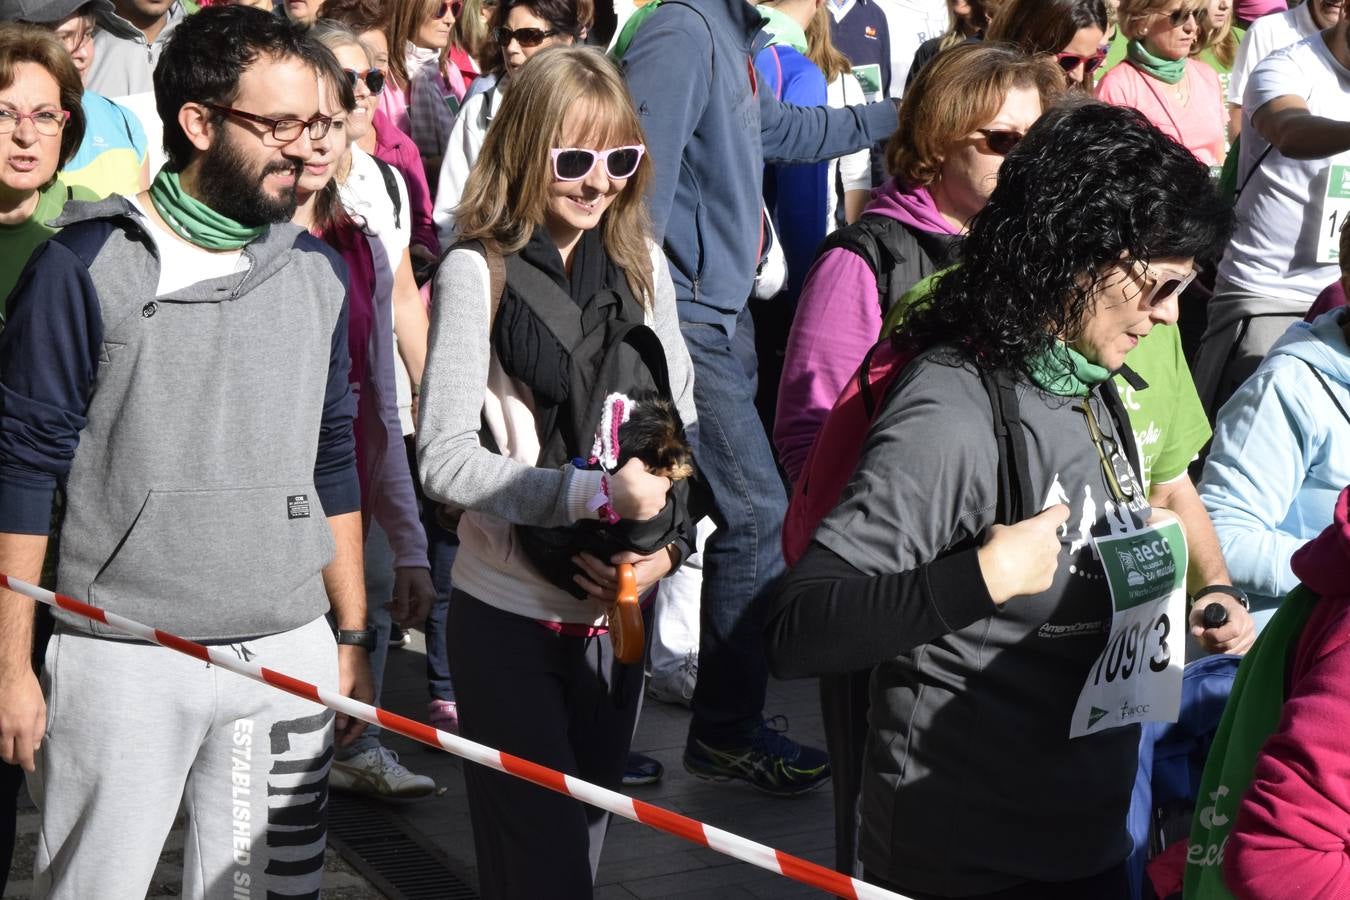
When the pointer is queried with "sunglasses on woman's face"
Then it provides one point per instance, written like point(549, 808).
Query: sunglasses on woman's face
point(1166, 285)
point(373, 78)
point(1177, 17)
point(455, 7)
point(575, 163)
point(1000, 141)
point(526, 37)
point(1070, 61)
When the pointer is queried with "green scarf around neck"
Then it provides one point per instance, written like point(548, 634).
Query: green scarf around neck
point(1168, 70)
point(194, 221)
point(1251, 715)
point(1065, 372)
point(783, 29)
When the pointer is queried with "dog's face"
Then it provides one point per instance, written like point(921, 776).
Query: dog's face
point(654, 434)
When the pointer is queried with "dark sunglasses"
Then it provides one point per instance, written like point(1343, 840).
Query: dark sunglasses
point(1001, 142)
point(526, 37)
point(1070, 61)
point(373, 78)
point(1177, 17)
point(448, 6)
point(575, 163)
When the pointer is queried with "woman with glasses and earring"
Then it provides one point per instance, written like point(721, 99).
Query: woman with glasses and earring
point(41, 125)
point(1073, 31)
point(524, 28)
point(556, 198)
point(1180, 96)
point(1014, 661)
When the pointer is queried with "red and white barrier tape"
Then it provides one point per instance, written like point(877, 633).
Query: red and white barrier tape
point(725, 842)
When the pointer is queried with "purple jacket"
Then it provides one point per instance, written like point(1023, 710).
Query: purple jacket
point(838, 320)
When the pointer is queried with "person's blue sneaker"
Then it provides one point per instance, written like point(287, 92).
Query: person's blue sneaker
point(771, 761)
point(641, 770)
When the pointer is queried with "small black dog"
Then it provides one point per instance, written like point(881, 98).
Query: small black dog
point(655, 435)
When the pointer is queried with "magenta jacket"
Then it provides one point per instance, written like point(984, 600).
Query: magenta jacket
point(838, 319)
point(397, 149)
point(1292, 827)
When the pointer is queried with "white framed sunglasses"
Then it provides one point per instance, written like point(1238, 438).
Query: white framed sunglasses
point(1165, 284)
point(575, 163)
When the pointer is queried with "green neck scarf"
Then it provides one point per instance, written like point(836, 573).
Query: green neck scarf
point(1168, 70)
point(783, 29)
point(1065, 372)
point(194, 221)
point(1251, 716)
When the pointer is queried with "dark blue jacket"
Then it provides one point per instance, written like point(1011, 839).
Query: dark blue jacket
point(709, 129)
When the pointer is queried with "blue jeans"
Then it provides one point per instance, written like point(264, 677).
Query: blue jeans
point(441, 549)
point(743, 559)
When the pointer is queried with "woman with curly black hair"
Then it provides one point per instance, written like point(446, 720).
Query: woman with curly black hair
point(1013, 660)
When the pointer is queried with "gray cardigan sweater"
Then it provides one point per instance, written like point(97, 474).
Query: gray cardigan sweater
point(464, 385)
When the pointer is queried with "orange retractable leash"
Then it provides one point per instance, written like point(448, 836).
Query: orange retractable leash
point(626, 631)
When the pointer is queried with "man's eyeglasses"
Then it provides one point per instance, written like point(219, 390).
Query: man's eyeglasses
point(283, 130)
point(575, 163)
point(526, 37)
point(1114, 469)
point(1166, 285)
point(1000, 141)
point(448, 6)
point(373, 78)
point(47, 122)
point(1070, 61)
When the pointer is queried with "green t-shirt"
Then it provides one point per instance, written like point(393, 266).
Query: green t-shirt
point(1168, 419)
point(17, 242)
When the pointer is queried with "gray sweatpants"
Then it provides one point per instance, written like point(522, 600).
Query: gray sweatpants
point(134, 729)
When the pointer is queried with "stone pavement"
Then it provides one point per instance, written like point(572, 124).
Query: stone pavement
point(638, 862)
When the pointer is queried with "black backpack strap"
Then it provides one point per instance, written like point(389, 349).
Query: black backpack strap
point(390, 185)
point(1016, 499)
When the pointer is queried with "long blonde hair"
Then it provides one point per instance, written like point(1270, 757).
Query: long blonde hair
point(1221, 40)
point(820, 48)
point(508, 189)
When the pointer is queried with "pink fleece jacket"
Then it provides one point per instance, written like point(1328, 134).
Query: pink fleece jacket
point(397, 149)
point(838, 319)
point(1292, 829)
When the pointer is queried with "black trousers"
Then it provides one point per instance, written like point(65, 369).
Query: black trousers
point(563, 702)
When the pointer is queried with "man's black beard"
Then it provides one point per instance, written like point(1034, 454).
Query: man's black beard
point(226, 184)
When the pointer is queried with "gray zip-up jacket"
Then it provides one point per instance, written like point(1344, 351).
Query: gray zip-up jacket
point(201, 437)
point(124, 61)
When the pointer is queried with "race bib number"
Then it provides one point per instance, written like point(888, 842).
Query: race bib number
point(869, 77)
point(1335, 207)
point(1137, 677)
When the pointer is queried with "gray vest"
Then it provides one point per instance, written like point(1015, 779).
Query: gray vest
point(190, 504)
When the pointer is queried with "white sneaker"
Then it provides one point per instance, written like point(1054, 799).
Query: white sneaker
point(378, 773)
point(675, 685)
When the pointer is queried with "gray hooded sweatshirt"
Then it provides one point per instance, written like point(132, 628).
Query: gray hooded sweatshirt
point(201, 436)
